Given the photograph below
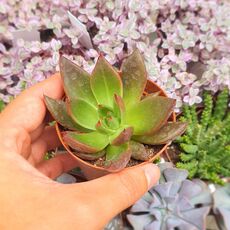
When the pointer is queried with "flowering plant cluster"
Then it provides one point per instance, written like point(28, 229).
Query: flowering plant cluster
point(185, 43)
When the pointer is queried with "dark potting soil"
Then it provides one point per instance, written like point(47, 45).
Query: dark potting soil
point(172, 153)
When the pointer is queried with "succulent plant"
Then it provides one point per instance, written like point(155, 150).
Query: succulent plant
point(116, 224)
point(103, 112)
point(175, 203)
point(206, 143)
point(221, 206)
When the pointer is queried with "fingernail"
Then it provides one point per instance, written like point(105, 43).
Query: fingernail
point(152, 174)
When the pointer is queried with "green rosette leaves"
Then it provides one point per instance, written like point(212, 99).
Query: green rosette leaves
point(104, 112)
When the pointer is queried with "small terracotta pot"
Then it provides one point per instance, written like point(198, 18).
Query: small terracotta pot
point(91, 171)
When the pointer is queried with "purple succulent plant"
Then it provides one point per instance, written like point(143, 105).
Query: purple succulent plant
point(175, 203)
point(221, 207)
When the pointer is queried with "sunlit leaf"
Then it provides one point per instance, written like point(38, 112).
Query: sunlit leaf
point(119, 108)
point(167, 133)
point(105, 82)
point(101, 127)
point(150, 114)
point(76, 81)
point(57, 108)
point(90, 156)
point(124, 136)
point(86, 142)
point(117, 157)
point(83, 113)
point(134, 78)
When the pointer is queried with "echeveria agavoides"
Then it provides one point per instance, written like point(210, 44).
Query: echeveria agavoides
point(105, 114)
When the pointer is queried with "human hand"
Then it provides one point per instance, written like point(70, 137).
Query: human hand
point(29, 199)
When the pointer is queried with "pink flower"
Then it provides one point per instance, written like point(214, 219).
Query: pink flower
point(192, 97)
point(186, 78)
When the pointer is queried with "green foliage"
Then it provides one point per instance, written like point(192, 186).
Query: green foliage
point(205, 145)
point(2, 105)
point(103, 112)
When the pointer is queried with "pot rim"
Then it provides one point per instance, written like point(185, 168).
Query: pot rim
point(173, 117)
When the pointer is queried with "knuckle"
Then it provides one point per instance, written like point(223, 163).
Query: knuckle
point(10, 137)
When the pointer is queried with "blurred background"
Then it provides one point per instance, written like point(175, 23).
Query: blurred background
point(186, 43)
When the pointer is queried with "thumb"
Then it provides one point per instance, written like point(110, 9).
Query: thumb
point(115, 192)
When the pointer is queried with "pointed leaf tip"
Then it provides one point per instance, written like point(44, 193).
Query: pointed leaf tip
point(123, 137)
point(58, 110)
point(167, 133)
point(105, 82)
point(119, 108)
point(76, 81)
point(117, 157)
point(134, 78)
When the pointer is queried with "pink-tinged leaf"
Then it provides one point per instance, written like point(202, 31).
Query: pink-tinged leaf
point(150, 94)
point(76, 82)
point(57, 108)
point(117, 157)
point(138, 151)
point(134, 78)
point(167, 133)
point(86, 142)
point(105, 82)
point(90, 156)
point(123, 137)
point(83, 113)
point(119, 108)
point(150, 114)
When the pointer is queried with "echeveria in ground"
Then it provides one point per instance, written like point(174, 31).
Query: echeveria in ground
point(175, 203)
point(104, 111)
